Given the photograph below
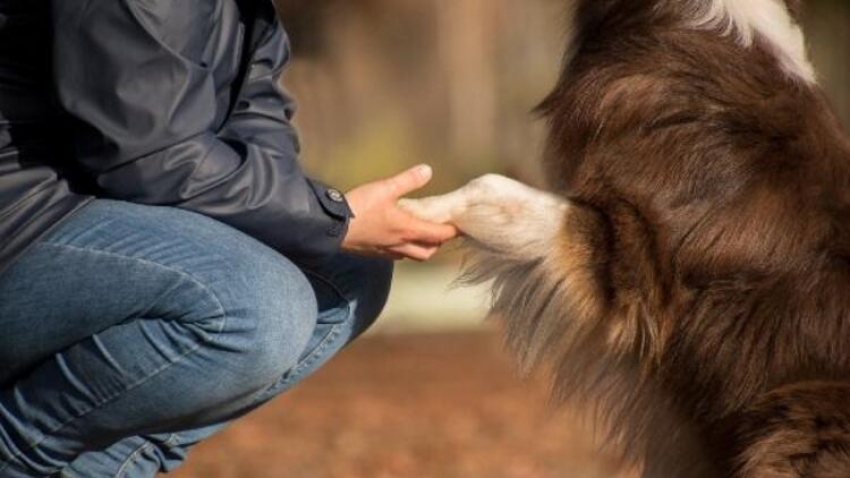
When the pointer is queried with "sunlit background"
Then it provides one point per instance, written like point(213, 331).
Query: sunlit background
point(383, 85)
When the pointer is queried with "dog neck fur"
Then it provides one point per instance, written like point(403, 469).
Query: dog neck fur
point(768, 20)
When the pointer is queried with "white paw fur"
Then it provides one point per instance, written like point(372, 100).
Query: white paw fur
point(498, 213)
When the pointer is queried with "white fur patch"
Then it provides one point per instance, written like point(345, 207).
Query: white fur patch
point(512, 231)
point(767, 19)
point(500, 214)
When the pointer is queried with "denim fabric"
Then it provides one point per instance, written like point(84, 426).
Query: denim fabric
point(130, 333)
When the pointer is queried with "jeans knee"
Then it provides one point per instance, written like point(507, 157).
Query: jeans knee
point(270, 325)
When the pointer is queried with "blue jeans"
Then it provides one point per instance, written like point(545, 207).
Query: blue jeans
point(132, 332)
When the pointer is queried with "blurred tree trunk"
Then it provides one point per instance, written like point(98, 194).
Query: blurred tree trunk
point(828, 34)
point(465, 31)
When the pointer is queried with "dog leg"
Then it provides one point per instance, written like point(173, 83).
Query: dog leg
point(499, 214)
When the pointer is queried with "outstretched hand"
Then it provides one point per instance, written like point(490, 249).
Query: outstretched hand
point(380, 228)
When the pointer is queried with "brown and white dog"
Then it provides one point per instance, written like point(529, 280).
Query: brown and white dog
point(689, 276)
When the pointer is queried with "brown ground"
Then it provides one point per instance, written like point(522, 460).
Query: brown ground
point(440, 406)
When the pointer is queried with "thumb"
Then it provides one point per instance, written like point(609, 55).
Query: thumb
point(410, 180)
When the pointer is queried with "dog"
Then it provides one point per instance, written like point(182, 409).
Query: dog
point(687, 274)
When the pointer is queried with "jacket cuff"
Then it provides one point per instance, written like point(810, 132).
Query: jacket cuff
point(336, 206)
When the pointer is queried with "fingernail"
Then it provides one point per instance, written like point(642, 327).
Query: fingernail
point(425, 170)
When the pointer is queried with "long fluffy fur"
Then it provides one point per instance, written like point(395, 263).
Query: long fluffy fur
point(698, 292)
point(601, 357)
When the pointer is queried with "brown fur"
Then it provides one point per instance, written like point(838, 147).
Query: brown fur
point(700, 297)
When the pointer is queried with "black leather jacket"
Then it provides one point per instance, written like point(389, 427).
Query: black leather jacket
point(157, 102)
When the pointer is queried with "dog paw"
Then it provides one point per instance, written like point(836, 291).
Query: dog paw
point(497, 212)
point(439, 209)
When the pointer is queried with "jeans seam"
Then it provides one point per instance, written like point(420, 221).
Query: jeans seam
point(206, 341)
point(336, 329)
point(146, 445)
point(316, 354)
point(109, 400)
point(187, 275)
point(324, 278)
point(345, 297)
point(171, 440)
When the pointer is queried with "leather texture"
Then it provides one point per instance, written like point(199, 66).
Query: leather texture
point(160, 102)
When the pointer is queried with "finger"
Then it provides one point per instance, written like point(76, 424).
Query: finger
point(416, 252)
point(429, 232)
point(393, 256)
point(441, 209)
point(409, 181)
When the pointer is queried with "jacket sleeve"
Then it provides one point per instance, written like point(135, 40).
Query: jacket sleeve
point(137, 77)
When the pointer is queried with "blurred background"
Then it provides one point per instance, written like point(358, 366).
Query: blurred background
point(383, 85)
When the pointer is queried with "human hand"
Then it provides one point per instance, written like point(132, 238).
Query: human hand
point(380, 228)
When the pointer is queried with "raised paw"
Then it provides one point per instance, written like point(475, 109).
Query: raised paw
point(497, 212)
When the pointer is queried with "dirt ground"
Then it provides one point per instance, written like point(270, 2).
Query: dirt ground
point(442, 405)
